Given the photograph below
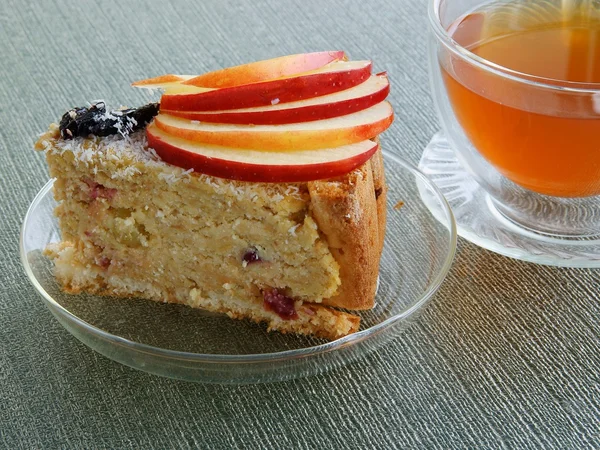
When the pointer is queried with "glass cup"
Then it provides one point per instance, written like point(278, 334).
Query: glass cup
point(524, 139)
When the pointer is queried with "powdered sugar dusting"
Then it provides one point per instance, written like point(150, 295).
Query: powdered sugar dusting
point(126, 172)
point(293, 229)
point(174, 176)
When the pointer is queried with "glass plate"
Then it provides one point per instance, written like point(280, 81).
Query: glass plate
point(181, 342)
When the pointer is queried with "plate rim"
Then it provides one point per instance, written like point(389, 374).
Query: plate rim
point(256, 358)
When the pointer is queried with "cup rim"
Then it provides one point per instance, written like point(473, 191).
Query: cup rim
point(462, 52)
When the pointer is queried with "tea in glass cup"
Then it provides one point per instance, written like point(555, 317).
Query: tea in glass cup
point(517, 88)
point(535, 138)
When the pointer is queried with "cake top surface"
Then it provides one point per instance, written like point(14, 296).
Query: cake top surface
point(128, 156)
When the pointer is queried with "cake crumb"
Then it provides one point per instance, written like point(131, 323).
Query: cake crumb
point(398, 205)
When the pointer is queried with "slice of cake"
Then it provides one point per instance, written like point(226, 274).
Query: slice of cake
point(227, 200)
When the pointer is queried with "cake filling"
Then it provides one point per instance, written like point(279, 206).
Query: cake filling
point(175, 229)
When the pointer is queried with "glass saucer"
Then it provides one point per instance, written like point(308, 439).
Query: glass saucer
point(480, 222)
point(181, 342)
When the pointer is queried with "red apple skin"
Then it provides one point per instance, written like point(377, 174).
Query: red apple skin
point(284, 139)
point(285, 116)
point(234, 170)
point(269, 69)
point(264, 93)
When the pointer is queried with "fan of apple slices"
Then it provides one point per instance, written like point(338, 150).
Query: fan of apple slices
point(295, 118)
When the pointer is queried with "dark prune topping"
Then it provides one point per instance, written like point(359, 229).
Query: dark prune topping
point(251, 256)
point(95, 120)
point(280, 304)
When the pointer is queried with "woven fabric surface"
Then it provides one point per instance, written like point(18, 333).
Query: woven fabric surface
point(507, 355)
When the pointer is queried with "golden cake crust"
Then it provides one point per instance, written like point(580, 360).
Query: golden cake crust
point(380, 194)
point(348, 214)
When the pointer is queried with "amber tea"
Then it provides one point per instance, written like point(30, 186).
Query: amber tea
point(540, 138)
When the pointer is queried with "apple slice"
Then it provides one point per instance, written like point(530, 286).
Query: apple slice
point(334, 77)
point(360, 97)
point(161, 82)
point(268, 69)
point(259, 166)
point(333, 132)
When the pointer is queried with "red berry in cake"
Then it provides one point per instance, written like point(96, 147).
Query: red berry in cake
point(280, 304)
point(97, 190)
point(103, 262)
point(250, 256)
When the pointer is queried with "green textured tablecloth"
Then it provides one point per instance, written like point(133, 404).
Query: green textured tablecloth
point(506, 356)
